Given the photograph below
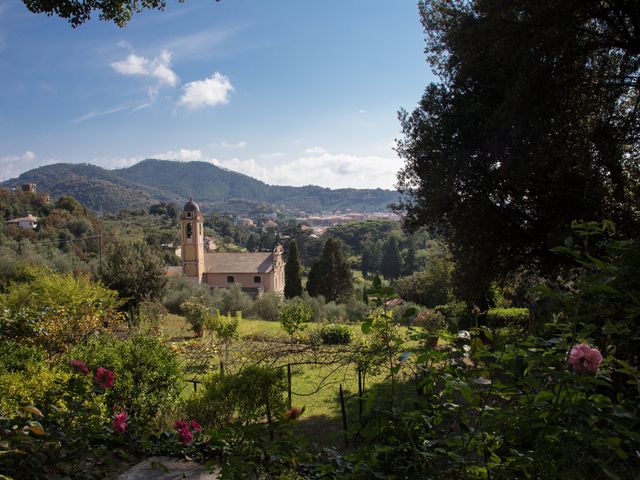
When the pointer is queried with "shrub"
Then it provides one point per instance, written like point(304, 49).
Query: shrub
point(508, 317)
point(241, 398)
point(197, 313)
point(293, 316)
point(235, 300)
point(18, 357)
point(266, 306)
point(147, 374)
point(334, 312)
point(334, 334)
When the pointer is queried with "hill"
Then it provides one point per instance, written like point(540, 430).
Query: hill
point(216, 189)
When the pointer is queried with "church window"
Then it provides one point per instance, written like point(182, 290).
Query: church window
point(230, 279)
point(257, 279)
point(189, 230)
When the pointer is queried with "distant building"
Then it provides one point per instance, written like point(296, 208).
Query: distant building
point(28, 187)
point(29, 221)
point(255, 272)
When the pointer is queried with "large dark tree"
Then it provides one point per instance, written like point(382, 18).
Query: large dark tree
point(533, 123)
point(330, 274)
point(292, 280)
point(391, 262)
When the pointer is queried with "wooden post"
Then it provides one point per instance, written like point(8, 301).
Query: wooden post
point(344, 416)
point(360, 389)
point(221, 367)
point(289, 383)
point(269, 419)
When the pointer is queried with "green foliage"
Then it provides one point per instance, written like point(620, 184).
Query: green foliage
point(391, 261)
point(333, 334)
point(148, 376)
point(135, 271)
point(292, 280)
point(225, 327)
point(197, 313)
point(266, 306)
point(235, 300)
point(54, 310)
point(15, 356)
point(508, 317)
point(293, 316)
point(429, 287)
point(486, 161)
point(330, 274)
point(245, 397)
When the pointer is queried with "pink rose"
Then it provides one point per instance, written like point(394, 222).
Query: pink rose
point(181, 425)
point(185, 436)
point(196, 426)
point(80, 366)
point(584, 359)
point(120, 422)
point(104, 378)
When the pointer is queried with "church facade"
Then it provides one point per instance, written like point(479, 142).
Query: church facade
point(255, 272)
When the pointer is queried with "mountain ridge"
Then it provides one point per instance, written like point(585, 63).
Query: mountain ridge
point(214, 188)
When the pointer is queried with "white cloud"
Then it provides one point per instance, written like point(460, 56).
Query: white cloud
point(209, 92)
point(158, 68)
point(12, 166)
point(96, 113)
point(313, 150)
point(236, 145)
point(182, 155)
point(324, 169)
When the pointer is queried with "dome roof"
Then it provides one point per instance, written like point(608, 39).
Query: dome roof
point(191, 206)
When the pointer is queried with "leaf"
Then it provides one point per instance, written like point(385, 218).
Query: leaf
point(36, 428)
point(543, 396)
point(34, 410)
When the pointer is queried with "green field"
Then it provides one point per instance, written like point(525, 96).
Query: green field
point(314, 386)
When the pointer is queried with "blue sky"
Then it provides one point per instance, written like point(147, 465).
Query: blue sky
point(291, 92)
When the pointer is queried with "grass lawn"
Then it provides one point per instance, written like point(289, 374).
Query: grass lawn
point(315, 387)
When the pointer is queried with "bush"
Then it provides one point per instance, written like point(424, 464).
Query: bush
point(16, 357)
point(266, 306)
point(239, 398)
point(293, 316)
point(429, 287)
point(316, 304)
point(334, 312)
point(508, 317)
point(334, 334)
point(147, 374)
point(235, 300)
point(179, 290)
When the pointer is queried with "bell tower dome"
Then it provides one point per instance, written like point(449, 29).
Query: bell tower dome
point(192, 225)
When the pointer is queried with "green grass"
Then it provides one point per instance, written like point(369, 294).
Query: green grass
point(315, 387)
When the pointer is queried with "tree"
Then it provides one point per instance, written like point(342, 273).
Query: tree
point(533, 123)
point(135, 271)
point(330, 274)
point(391, 262)
point(292, 281)
point(78, 12)
point(370, 262)
point(293, 316)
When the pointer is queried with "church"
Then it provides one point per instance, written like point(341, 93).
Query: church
point(255, 272)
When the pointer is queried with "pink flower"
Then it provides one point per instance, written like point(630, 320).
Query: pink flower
point(185, 436)
point(584, 359)
point(80, 366)
point(196, 426)
point(120, 422)
point(181, 425)
point(293, 413)
point(104, 378)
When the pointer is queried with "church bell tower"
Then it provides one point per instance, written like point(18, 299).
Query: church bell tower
point(192, 224)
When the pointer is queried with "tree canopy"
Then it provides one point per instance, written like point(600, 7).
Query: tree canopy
point(292, 280)
point(330, 274)
point(533, 123)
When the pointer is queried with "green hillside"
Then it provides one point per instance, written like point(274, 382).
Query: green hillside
point(215, 189)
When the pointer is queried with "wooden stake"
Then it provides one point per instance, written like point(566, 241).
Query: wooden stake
point(344, 416)
point(289, 383)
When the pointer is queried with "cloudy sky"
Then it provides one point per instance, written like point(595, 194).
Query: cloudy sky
point(291, 92)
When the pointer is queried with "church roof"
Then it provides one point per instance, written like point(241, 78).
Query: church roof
point(191, 206)
point(254, 262)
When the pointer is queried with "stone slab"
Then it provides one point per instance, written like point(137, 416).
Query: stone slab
point(167, 468)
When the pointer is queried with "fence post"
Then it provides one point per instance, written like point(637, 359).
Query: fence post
point(289, 383)
point(344, 416)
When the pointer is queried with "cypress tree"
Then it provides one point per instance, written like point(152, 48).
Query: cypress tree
point(391, 263)
point(292, 281)
point(330, 274)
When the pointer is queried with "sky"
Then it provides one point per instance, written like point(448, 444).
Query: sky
point(290, 92)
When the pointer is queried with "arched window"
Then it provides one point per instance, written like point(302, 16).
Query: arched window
point(189, 230)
